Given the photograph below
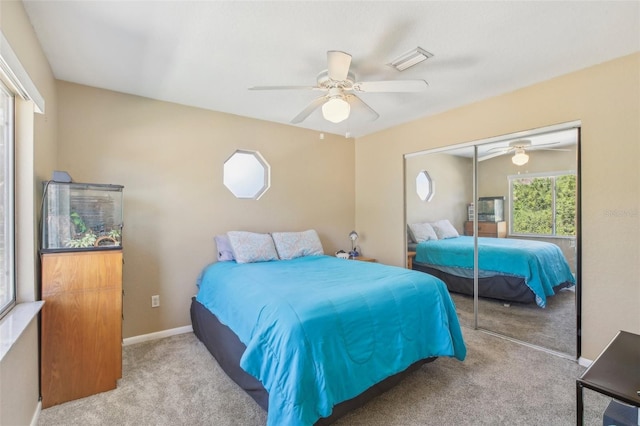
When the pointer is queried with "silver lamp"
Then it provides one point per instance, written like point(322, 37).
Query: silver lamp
point(353, 236)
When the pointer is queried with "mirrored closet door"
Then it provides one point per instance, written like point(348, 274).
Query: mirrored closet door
point(451, 177)
point(513, 202)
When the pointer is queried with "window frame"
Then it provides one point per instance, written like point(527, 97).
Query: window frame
point(8, 195)
point(553, 176)
point(246, 181)
point(425, 186)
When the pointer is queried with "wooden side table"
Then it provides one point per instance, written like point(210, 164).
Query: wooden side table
point(410, 256)
point(363, 259)
point(614, 373)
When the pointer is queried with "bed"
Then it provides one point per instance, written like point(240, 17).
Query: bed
point(510, 269)
point(312, 337)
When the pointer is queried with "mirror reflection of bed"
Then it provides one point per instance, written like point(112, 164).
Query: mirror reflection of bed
point(527, 272)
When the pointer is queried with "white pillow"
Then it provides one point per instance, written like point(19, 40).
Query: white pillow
point(423, 232)
point(297, 244)
point(410, 237)
point(225, 251)
point(444, 229)
point(251, 247)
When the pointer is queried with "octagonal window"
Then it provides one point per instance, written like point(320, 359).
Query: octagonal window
point(247, 174)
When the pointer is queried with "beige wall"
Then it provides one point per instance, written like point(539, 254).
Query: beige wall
point(170, 160)
point(19, 33)
point(35, 159)
point(19, 389)
point(606, 98)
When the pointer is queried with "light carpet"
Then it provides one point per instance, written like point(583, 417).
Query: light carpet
point(175, 381)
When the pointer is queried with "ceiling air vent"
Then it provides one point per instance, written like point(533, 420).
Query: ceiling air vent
point(409, 59)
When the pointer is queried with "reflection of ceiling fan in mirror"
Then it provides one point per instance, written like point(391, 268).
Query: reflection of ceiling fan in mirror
point(519, 148)
point(340, 86)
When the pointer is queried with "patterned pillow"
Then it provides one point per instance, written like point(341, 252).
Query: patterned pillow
point(444, 229)
point(251, 247)
point(225, 251)
point(422, 232)
point(297, 244)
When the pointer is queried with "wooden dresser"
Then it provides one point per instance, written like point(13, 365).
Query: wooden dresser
point(81, 350)
point(487, 229)
point(363, 259)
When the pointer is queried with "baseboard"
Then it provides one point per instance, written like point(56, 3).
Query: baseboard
point(584, 362)
point(157, 335)
point(36, 415)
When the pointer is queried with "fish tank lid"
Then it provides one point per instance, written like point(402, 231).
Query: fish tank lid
point(79, 185)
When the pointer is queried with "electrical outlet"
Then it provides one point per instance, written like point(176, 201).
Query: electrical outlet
point(155, 301)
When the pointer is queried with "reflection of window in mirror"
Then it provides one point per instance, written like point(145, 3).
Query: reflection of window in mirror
point(424, 186)
point(246, 174)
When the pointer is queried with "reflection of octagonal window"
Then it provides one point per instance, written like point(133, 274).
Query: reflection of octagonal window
point(424, 186)
point(246, 174)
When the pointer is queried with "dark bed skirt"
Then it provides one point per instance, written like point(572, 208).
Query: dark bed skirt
point(227, 349)
point(501, 287)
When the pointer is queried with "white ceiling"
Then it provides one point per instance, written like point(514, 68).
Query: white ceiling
point(208, 53)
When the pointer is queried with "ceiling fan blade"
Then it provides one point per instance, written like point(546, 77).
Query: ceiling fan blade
point(544, 144)
point(503, 149)
point(391, 86)
point(283, 88)
point(544, 147)
point(338, 64)
point(309, 109)
point(359, 103)
point(493, 155)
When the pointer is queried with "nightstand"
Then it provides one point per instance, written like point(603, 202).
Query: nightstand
point(410, 256)
point(363, 259)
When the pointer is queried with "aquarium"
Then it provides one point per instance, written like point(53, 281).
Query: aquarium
point(81, 216)
point(491, 209)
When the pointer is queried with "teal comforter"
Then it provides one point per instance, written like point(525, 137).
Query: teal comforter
point(541, 264)
point(321, 330)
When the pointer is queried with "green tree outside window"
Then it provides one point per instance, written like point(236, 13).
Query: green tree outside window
point(544, 205)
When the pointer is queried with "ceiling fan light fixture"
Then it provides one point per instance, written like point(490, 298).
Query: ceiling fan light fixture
point(520, 158)
point(409, 59)
point(336, 109)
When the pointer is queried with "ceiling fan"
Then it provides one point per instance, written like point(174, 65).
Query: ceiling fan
point(519, 148)
point(340, 86)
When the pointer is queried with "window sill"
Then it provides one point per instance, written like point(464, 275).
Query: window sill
point(15, 323)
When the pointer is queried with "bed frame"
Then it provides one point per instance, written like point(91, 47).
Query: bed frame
point(502, 287)
point(227, 349)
